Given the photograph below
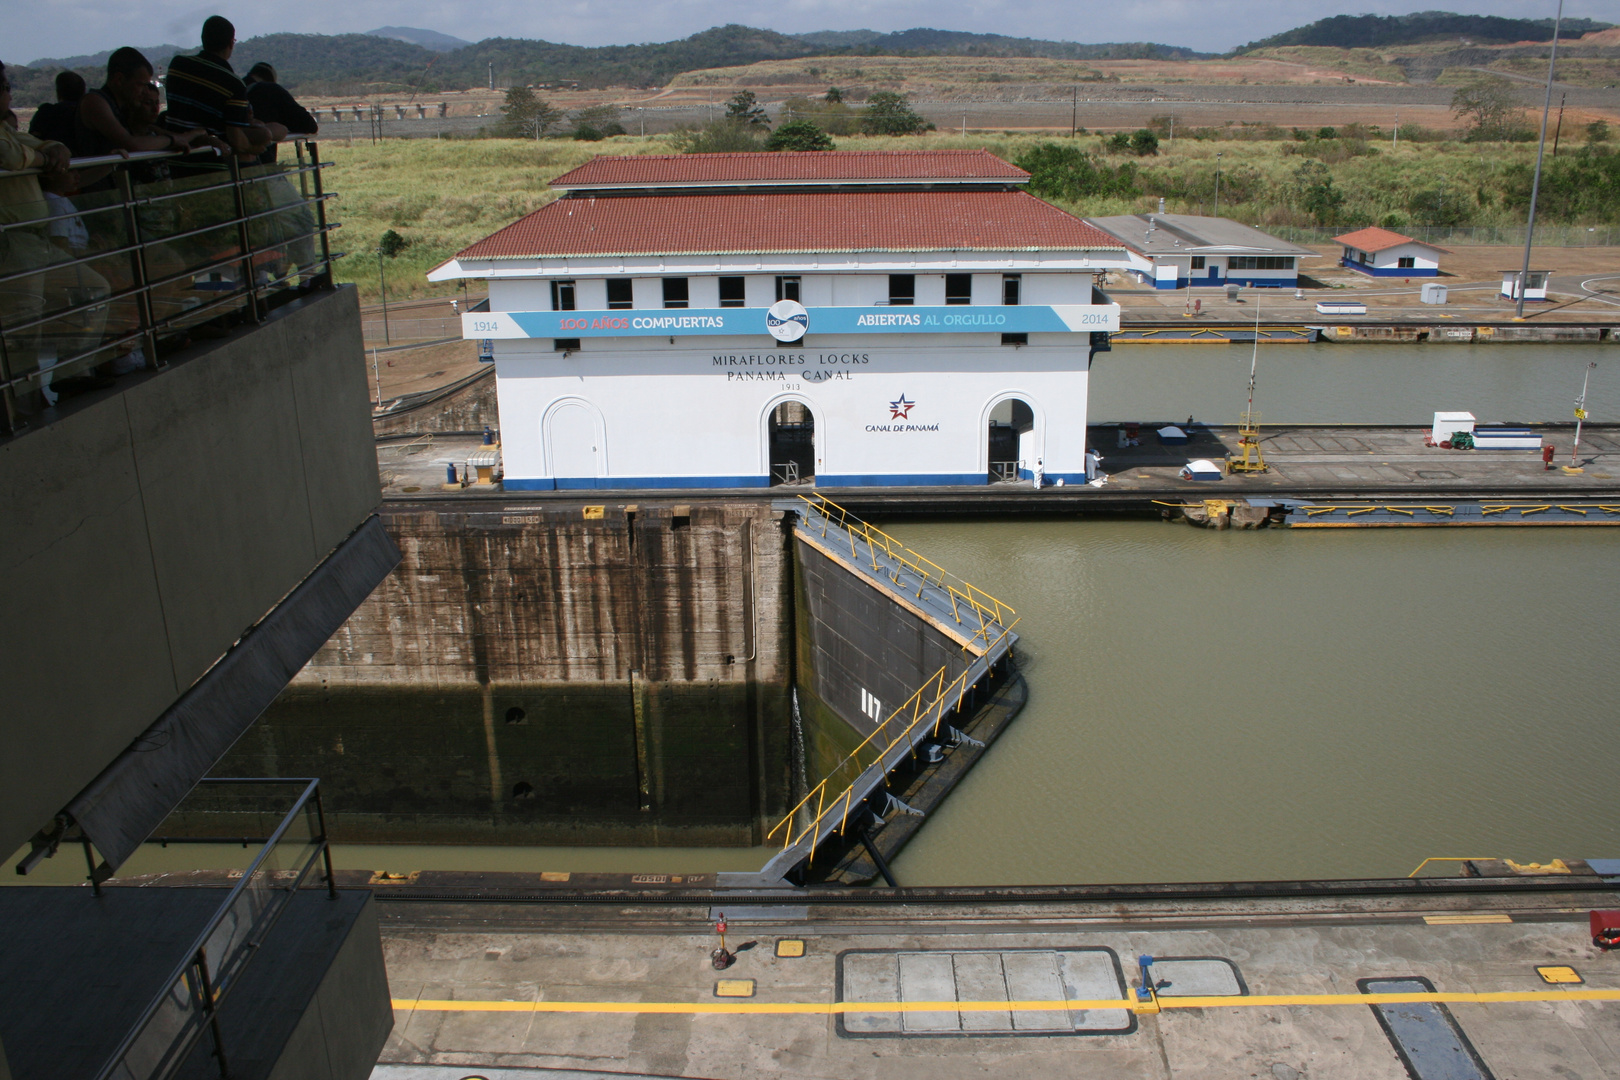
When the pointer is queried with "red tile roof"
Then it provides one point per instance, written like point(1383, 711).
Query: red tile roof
point(792, 222)
point(815, 167)
point(1373, 239)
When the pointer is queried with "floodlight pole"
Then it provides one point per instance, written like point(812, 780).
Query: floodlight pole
point(1541, 148)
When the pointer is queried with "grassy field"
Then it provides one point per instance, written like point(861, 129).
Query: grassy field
point(442, 196)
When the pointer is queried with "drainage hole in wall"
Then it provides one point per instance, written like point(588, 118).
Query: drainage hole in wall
point(515, 715)
point(522, 790)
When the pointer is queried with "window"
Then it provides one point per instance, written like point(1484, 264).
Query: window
point(620, 294)
point(731, 292)
point(1406, 262)
point(902, 289)
point(787, 288)
point(1197, 262)
point(959, 288)
point(1010, 286)
point(1015, 339)
point(675, 292)
point(565, 344)
point(562, 296)
point(1260, 262)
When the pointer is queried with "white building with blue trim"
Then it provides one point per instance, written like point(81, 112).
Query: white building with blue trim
point(1378, 252)
point(739, 320)
point(1175, 251)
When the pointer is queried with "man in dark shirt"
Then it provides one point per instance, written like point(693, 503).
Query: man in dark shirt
point(205, 92)
point(53, 121)
point(272, 104)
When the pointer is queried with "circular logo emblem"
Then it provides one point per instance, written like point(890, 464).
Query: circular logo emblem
point(787, 320)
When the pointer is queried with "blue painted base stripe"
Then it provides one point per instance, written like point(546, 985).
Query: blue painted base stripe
point(1392, 271)
point(608, 483)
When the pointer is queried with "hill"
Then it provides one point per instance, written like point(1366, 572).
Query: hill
point(428, 39)
point(395, 58)
point(932, 42)
point(1382, 31)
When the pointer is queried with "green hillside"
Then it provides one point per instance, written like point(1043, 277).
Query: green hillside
point(1382, 31)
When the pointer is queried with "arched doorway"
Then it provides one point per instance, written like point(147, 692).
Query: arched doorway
point(1012, 440)
point(791, 435)
point(574, 443)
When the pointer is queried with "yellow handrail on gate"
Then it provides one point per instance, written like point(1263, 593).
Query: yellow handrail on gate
point(960, 593)
point(914, 711)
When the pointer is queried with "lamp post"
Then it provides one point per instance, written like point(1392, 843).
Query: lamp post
point(382, 282)
point(1580, 415)
point(1217, 183)
point(1535, 185)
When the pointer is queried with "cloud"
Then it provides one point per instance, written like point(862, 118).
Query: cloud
point(69, 27)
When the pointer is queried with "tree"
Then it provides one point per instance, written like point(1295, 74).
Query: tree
point(799, 135)
point(721, 137)
point(1436, 206)
point(1317, 196)
point(1597, 132)
point(834, 96)
point(1066, 172)
point(1145, 143)
point(527, 115)
point(745, 110)
point(597, 122)
point(1491, 108)
point(390, 244)
point(889, 113)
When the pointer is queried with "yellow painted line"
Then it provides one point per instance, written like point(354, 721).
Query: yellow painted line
point(1446, 920)
point(833, 1008)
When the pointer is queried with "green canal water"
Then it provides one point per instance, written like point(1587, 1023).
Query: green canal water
point(1355, 384)
point(1228, 706)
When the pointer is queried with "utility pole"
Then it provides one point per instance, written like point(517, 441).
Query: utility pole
point(492, 74)
point(1074, 112)
point(1218, 183)
point(1396, 141)
point(1559, 130)
point(1535, 185)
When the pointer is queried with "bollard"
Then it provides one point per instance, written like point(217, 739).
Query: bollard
point(451, 483)
point(720, 958)
point(1144, 992)
point(489, 436)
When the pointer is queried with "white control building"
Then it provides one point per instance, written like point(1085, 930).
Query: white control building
point(842, 318)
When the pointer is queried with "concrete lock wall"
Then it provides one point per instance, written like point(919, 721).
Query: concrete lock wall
point(856, 644)
point(530, 676)
point(148, 530)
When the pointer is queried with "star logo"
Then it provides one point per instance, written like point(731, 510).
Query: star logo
point(901, 410)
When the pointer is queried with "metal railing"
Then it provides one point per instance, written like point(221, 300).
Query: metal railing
point(928, 706)
point(957, 593)
point(111, 281)
point(1005, 472)
point(162, 1039)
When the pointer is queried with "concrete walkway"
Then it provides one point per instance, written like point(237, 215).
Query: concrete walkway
point(1256, 988)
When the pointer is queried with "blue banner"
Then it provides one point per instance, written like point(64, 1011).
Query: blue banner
point(677, 322)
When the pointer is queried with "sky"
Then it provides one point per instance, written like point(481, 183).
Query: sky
point(77, 27)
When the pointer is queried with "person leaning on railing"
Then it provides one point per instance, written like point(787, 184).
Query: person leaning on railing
point(204, 91)
point(56, 287)
point(53, 120)
point(104, 122)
